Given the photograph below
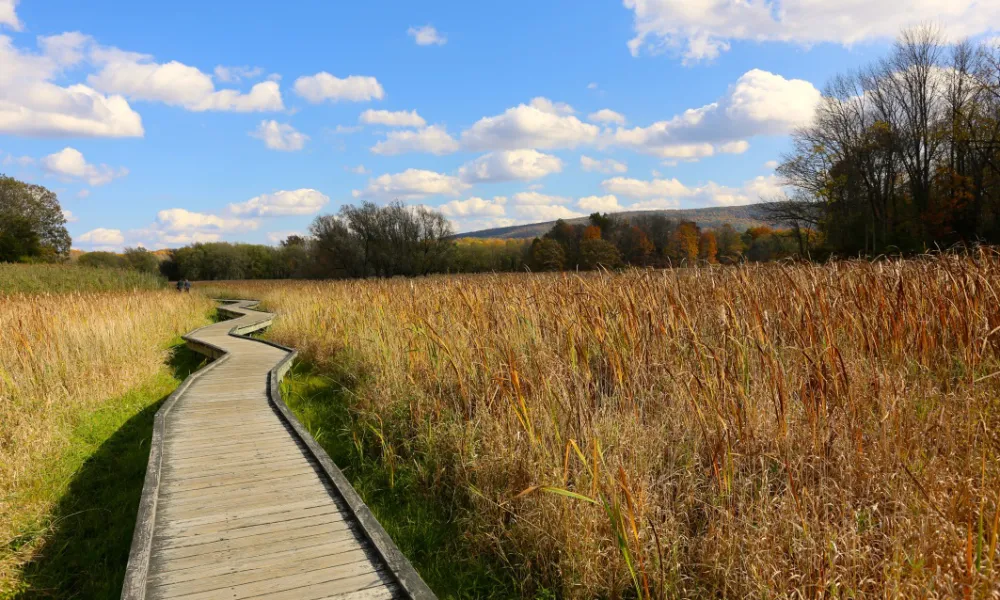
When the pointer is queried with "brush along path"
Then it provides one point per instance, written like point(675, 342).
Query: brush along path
point(240, 502)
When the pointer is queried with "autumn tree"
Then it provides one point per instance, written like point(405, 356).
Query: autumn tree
point(592, 232)
point(635, 246)
point(707, 247)
point(683, 245)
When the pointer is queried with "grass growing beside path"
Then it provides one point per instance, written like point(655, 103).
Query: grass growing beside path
point(424, 527)
point(56, 279)
point(80, 548)
point(757, 431)
point(64, 360)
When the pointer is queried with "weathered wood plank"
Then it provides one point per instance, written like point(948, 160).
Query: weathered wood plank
point(242, 508)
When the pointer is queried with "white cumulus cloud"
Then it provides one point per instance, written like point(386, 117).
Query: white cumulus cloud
point(139, 77)
point(8, 15)
point(607, 165)
point(434, 140)
point(607, 203)
point(31, 105)
point(474, 207)
point(426, 36)
point(701, 31)
point(535, 198)
point(657, 193)
point(539, 212)
point(539, 125)
point(510, 165)
point(69, 163)
point(606, 115)
point(411, 184)
point(640, 188)
point(183, 220)
point(399, 118)
point(296, 202)
point(324, 86)
point(759, 103)
point(280, 136)
point(556, 108)
point(102, 237)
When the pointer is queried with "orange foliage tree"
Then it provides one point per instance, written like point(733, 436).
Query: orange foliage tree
point(707, 247)
point(683, 244)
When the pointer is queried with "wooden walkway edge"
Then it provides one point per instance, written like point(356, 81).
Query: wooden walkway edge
point(239, 501)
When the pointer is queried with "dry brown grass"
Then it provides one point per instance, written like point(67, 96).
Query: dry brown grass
point(62, 356)
point(770, 431)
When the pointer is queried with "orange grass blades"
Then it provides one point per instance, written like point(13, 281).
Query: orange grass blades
point(764, 430)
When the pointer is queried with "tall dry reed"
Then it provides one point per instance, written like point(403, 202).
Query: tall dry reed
point(61, 356)
point(762, 431)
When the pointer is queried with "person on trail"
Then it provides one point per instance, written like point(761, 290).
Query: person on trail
point(180, 285)
point(187, 285)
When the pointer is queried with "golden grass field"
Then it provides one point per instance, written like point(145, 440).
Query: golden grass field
point(63, 356)
point(761, 431)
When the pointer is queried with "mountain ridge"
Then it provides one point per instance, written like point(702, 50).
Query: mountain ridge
point(740, 217)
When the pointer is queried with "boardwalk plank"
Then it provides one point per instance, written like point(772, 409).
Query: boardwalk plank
point(242, 510)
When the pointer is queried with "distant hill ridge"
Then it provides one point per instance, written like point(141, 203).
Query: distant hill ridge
point(740, 218)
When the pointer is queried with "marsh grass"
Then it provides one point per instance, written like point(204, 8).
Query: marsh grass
point(80, 548)
point(423, 527)
point(65, 358)
point(762, 431)
point(57, 279)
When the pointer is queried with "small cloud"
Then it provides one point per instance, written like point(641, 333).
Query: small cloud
point(736, 147)
point(69, 163)
point(280, 136)
point(21, 161)
point(607, 165)
point(323, 86)
point(771, 165)
point(237, 74)
point(83, 194)
point(103, 237)
point(592, 85)
point(346, 129)
point(426, 36)
point(606, 115)
point(358, 170)
point(607, 203)
point(8, 16)
point(69, 216)
point(284, 203)
point(399, 118)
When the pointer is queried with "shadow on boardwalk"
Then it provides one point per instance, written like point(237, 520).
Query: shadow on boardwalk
point(86, 550)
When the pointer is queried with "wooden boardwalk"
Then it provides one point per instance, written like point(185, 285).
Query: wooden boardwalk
point(240, 502)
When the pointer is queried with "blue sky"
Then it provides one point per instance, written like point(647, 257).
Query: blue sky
point(161, 124)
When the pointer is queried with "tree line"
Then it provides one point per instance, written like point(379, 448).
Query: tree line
point(654, 240)
point(398, 240)
point(902, 154)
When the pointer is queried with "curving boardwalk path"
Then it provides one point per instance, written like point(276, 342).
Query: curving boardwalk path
point(240, 502)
